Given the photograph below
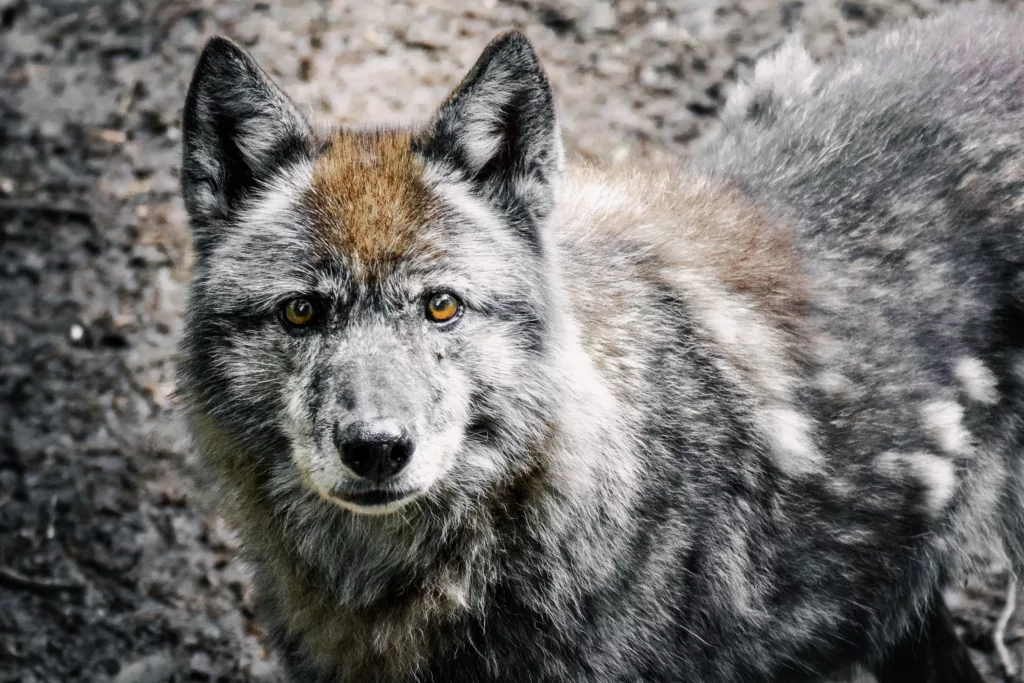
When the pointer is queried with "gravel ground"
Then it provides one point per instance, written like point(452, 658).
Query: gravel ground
point(109, 569)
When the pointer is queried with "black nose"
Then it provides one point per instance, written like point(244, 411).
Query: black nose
point(376, 449)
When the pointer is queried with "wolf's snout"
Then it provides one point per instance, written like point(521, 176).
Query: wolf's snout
point(375, 450)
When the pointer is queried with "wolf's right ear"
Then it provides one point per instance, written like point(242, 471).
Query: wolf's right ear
point(499, 130)
point(238, 128)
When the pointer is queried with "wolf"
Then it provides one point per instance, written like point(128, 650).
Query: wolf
point(482, 414)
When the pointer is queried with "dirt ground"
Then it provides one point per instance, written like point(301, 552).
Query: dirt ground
point(109, 571)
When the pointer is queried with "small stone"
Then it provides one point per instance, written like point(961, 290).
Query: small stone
point(158, 668)
point(373, 39)
point(225, 15)
point(263, 671)
point(201, 665)
point(33, 262)
point(50, 129)
point(600, 17)
point(111, 137)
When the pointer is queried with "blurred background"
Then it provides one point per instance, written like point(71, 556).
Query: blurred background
point(109, 570)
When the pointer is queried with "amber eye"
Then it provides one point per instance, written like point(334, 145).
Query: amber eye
point(298, 312)
point(443, 307)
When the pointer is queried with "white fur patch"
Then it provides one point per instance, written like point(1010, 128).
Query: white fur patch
point(834, 383)
point(936, 475)
point(784, 74)
point(746, 339)
point(789, 433)
point(977, 380)
point(945, 420)
point(788, 71)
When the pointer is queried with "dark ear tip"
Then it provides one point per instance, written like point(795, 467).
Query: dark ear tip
point(222, 53)
point(219, 45)
point(514, 35)
point(222, 56)
point(222, 61)
point(513, 40)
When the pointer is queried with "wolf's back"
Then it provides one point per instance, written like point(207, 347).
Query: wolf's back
point(900, 169)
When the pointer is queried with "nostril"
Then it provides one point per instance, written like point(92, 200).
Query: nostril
point(401, 451)
point(358, 456)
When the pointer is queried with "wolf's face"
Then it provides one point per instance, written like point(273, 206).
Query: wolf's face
point(369, 310)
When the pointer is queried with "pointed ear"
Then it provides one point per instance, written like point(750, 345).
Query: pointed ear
point(238, 128)
point(498, 128)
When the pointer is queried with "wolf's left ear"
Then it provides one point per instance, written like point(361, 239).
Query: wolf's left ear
point(238, 129)
point(499, 130)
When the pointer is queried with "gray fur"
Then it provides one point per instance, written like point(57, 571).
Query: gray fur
point(733, 422)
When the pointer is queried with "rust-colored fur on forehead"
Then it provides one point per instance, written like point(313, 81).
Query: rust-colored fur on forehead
point(368, 198)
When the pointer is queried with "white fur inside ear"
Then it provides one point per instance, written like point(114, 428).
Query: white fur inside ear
point(784, 74)
point(482, 135)
point(258, 136)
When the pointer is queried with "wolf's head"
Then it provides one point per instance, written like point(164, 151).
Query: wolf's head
point(370, 309)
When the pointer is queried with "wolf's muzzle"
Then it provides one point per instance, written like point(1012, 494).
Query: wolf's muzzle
point(375, 450)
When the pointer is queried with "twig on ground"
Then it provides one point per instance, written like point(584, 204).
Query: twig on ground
point(13, 579)
point(1006, 659)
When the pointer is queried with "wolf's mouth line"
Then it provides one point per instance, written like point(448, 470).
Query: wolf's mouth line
point(372, 497)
